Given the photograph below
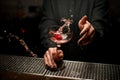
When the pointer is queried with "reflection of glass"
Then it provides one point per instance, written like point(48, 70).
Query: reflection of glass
point(61, 34)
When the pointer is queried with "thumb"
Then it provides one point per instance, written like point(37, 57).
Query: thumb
point(60, 54)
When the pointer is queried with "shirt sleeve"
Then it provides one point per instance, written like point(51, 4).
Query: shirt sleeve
point(47, 22)
point(100, 17)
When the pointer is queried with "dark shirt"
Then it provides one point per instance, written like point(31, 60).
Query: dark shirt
point(96, 11)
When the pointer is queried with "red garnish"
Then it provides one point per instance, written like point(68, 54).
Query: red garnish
point(58, 36)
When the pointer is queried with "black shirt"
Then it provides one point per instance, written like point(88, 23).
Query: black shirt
point(96, 11)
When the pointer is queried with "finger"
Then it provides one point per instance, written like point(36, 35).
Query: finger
point(91, 30)
point(53, 53)
point(82, 21)
point(87, 42)
point(85, 28)
point(48, 58)
point(81, 39)
point(88, 29)
point(90, 35)
point(90, 38)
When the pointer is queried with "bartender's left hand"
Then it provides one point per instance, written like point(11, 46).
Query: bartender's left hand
point(87, 31)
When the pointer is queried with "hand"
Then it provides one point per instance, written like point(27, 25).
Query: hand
point(51, 56)
point(87, 31)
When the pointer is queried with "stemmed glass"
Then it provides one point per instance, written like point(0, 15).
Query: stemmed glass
point(61, 35)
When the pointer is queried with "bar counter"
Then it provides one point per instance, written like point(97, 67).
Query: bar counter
point(29, 68)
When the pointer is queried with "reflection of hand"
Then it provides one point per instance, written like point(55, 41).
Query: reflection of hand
point(52, 55)
point(87, 31)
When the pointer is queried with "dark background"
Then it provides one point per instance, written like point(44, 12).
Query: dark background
point(22, 17)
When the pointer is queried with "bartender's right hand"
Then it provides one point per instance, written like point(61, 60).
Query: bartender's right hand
point(51, 56)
